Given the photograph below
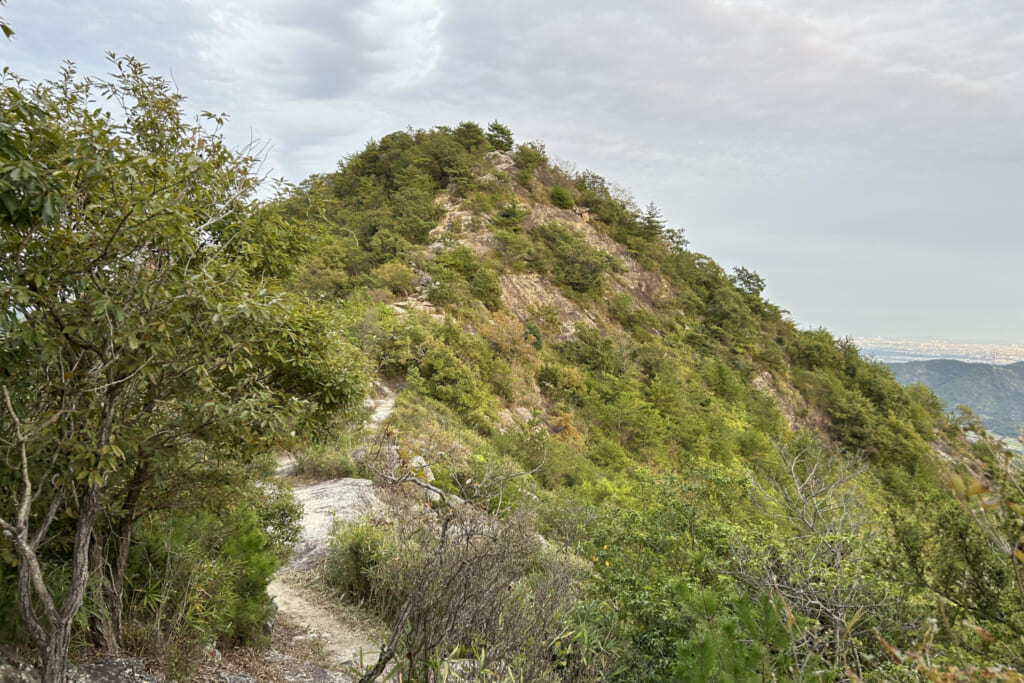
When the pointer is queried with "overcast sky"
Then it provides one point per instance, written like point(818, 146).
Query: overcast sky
point(866, 158)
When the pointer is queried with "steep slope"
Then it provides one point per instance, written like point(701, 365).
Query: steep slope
point(746, 496)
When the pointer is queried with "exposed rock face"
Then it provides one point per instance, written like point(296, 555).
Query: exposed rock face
point(344, 500)
point(523, 291)
point(794, 408)
point(641, 284)
point(503, 161)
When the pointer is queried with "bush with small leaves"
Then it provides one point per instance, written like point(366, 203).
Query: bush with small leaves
point(561, 197)
point(529, 157)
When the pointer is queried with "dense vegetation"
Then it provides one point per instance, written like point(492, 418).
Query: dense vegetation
point(151, 361)
point(719, 495)
point(753, 500)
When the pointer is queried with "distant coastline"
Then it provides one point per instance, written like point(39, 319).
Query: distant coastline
point(902, 351)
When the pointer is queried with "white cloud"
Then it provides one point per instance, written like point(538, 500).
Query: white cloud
point(405, 38)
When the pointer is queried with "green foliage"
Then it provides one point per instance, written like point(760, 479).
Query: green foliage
point(327, 456)
point(355, 558)
point(561, 197)
point(144, 331)
point(659, 435)
point(500, 136)
point(651, 423)
point(571, 262)
point(457, 581)
point(620, 406)
point(595, 351)
point(651, 222)
point(440, 373)
point(747, 281)
point(460, 277)
point(562, 383)
point(815, 349)
point(5, 28)
point(559, 461)
point(397, 277)
point(471, 136)
point(529, 157)
point(666, 604)
point(198, 577)
point(511, 215)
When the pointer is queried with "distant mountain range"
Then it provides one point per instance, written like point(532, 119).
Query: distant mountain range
point(994, 392)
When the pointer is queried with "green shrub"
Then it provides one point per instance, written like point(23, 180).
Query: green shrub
point(471, 136)
point(441, 374)
point(486, 288)
point(355, 556)
point(511, 214)
point(595, 351)
point(397, 277)
point(196, 577)
point(529, 157)
point(561, 197)
point(562, 383)
point(327, 461)
point(560, 462)
point(570, 260)
point(460, 276)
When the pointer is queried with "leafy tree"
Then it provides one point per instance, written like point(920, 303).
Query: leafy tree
point(529, 157)
point(500, 136)
point(142, 331)
point(676, 240)
point(747, 281)
point(471, 136)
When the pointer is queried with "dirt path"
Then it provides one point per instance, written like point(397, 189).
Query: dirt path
point(344, 637)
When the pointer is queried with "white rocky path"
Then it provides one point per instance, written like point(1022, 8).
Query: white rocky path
point(345, 643)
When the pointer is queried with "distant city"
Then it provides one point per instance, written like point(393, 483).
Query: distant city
point(900, 351)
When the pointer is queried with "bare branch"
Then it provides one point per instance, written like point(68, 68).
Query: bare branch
point(20, 440)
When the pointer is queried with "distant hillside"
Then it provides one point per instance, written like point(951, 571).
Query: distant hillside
point(994, 392)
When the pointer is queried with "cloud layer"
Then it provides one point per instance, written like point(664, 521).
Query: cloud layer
point(863, 157)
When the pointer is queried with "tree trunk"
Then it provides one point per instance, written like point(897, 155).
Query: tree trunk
point(57, 638)
point(129, 508)
point(56, 653)
point(102, 625)
point(107, 627)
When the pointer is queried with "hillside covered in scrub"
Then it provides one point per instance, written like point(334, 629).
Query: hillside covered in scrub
point(746, 497)
point(608, 458)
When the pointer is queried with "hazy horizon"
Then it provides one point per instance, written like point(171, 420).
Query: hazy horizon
point(905, 350)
